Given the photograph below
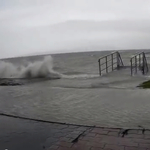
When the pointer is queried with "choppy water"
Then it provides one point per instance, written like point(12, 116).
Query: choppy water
point(80, 96)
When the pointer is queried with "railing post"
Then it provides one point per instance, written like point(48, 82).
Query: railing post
point(117, 55)
point(112, 56)
point(131, 67)
point(112, 62)
point(99, 67)
point(145, 63)
point(106, 65)
point(135, 64)
point(143, 67)
point(140, 61)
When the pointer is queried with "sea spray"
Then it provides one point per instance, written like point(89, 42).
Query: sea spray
point(8, 70)
point(37, 69)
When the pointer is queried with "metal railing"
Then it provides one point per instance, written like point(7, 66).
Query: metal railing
point(139, 62)
point(110, 62)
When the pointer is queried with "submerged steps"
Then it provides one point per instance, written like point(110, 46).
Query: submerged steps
point(114, 61)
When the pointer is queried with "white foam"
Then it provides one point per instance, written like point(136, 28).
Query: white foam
point(38, 69)
point(80, 76)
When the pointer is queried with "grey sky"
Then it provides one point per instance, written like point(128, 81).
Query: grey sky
point(30, 26)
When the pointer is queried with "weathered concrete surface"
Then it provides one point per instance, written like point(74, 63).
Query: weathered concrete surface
point(19, 134)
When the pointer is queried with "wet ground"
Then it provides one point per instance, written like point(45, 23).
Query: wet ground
point(112, 100)
point(24, 134)
point(19, 134)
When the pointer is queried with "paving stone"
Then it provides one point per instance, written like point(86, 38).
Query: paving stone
point(81, 128)
point(113, 147)
point(110, 139)
point(99, 131)
point(144, 145)
point(141, 141)
point(53, 147)
point(134, 148)
point(140, 136)
point(87, 138)
point(64, 148)
point(81, 146)
point(128, 143)
point(147, 136)
point(147, 132)
point(64, 144)
point(111, 130)
point(95, 144)
point(91, 134)
point(112, 133)
point(96, 148)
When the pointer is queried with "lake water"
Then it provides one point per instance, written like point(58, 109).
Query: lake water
point(80, 96)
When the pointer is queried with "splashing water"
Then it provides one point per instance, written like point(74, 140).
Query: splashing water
point(38, 69)
point(81, 76)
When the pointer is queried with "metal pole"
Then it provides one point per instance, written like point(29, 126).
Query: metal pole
point(131, 67)
point(112, 61)
point(143, 67)
point(135, 64)
point(145, 62)
point(106, 65)
point(117, 55)
point(99, 67)
point(140, 61)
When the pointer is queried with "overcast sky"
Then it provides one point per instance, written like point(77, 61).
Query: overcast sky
point(30, 26)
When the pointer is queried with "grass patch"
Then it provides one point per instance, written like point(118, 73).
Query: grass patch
point(145, 85)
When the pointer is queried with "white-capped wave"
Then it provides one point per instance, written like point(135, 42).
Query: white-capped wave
point(37, 69)
point(78, 76)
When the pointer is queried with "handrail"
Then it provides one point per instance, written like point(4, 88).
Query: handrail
point(107, 61)
point(137, 54)
point(112, 59)
point(108, 55)
point(139, 62)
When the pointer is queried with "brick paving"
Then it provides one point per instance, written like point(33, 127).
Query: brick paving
point(94, 138)
point(34, 135)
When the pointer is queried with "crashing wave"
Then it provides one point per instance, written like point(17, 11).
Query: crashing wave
point(37, 69)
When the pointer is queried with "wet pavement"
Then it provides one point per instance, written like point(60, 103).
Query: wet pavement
point(112, 100)
point(24, 134)
point(19, 134)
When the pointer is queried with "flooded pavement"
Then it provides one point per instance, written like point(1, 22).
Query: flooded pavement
point(81, 96)
point(109, 107)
